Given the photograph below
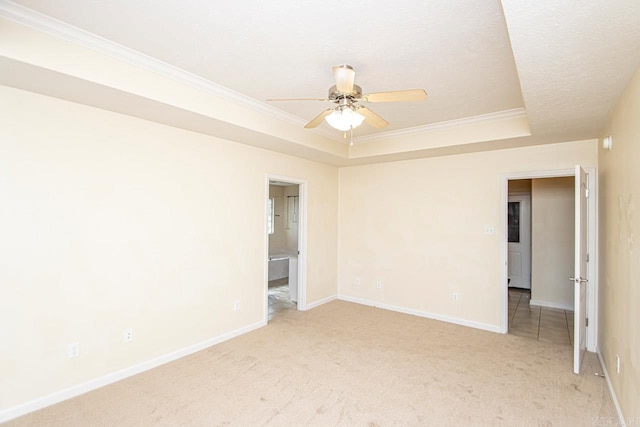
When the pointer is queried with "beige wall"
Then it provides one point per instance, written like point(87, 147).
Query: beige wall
point(111, 222)
point(552, 241)
point(418, 226)
point(520, 186)
point(619, 254)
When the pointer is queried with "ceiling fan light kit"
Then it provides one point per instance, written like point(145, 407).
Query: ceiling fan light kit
point(347, 114)
point(344, 119)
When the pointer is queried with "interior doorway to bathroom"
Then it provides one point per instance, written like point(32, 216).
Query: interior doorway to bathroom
point(284, 235)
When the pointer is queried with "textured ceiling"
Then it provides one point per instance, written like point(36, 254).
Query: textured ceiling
point(574, 59)
point(563, 63)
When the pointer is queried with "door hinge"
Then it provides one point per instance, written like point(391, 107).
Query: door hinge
point(587, 257)
point(586, 321)
point(586, 193)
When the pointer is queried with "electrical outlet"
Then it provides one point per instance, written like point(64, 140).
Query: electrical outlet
point(455, 296)
point(617, 363)
point(358, 281)
point(378, 284)
point(74, 349)
point(236, 305)
point(127, 335)
point(489, 229)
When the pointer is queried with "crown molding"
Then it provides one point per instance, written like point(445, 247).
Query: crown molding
point(60, 29)
point(449, 124)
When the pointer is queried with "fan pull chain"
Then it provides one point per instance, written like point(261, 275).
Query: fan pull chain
point(344, 135)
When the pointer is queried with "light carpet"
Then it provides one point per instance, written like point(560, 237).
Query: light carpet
point(344, 364)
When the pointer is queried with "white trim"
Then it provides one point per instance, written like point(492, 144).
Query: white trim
point(420, 313)
point(550, 304)
point(322, 301)
point(31, 18)
point(265, 251)
point(592, 297)
point(611, 390)
point(76, 390)
point(302, 241)
point(592, 236)
point(465, 121)
point(541, 174)
point(303, 204)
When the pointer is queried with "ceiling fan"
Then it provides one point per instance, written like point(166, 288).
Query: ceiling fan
point(348, 114)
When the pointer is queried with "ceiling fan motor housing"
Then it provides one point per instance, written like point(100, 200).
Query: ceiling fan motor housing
point(335, 95)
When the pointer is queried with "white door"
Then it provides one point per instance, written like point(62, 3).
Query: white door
point(580, 274)
point(519, 241)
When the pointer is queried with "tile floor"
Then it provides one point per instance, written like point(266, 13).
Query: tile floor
point(540, 323)
point(279, 297)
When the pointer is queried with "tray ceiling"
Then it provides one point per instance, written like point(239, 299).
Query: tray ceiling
point(564, 63)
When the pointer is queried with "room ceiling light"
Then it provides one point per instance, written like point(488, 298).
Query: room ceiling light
point(345, 118)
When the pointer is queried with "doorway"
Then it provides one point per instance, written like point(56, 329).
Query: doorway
point(540, 258)
point(536, 304)
point(285, 242)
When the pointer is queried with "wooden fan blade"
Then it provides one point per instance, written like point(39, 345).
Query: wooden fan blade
point(318, 119)
point(297, 99)
point(345, 76)
point(397, 96)
point(372, 118)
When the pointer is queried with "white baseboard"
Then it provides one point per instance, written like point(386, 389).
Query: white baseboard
point(550, 304)
point(76, 390)
point(611, 390)
point(320, 302)
point(448, 319)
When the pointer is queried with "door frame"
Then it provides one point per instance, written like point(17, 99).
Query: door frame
point(592, 244)
point(302, 241)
